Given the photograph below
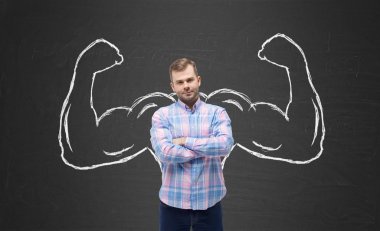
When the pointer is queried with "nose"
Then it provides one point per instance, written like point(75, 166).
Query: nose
point(186, 85)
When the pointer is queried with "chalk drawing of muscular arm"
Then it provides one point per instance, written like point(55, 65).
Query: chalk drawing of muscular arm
point(79, 118)
point(304, 92)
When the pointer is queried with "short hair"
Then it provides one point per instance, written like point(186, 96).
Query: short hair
point(180, 65)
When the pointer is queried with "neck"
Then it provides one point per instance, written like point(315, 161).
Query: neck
point(191, 104)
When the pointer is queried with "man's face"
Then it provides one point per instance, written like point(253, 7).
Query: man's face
point(186, 85)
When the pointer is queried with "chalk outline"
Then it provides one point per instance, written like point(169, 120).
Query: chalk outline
point(285, 114)
point(66, 109)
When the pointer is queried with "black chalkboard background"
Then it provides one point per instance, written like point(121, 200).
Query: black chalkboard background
point(41, 40)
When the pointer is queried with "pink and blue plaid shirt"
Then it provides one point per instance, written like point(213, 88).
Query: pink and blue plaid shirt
point(192, 175)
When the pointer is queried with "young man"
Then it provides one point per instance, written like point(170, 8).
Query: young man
point(189, 137)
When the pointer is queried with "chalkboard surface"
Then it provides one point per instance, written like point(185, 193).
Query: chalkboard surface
point(80, 81)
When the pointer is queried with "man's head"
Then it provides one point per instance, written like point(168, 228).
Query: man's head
point(185, 81)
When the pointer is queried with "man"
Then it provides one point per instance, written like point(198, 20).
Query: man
point(189, 137)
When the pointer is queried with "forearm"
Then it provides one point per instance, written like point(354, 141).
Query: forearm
point(171, 153)
point(210, 146)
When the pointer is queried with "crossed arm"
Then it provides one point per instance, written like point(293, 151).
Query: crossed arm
point(184, 149)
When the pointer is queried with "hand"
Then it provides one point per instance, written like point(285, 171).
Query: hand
point(179, 141)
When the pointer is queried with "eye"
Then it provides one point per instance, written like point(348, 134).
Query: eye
point(190, 80)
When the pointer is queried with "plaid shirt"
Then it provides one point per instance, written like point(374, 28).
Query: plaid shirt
point(192, 175)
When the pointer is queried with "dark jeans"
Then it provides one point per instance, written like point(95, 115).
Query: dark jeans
point(174, 219)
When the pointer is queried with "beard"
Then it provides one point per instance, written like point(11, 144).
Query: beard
point(189, 98)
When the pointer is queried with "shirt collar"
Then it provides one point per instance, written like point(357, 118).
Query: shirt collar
point(186, 108)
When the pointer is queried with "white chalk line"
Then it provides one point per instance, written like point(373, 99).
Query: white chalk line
point(67, 128)
point(65, 111)
point(316, 123)
point(234, 102)
point(319, 113)
point(146, 107)
point(266, 148)
point(118, 152)
point(244, 97)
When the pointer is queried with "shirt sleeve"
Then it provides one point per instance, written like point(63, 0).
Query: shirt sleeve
point(162, 142)
point(221, 141)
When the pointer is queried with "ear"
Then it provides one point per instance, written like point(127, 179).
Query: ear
point(172, 86)
point(199, 81)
